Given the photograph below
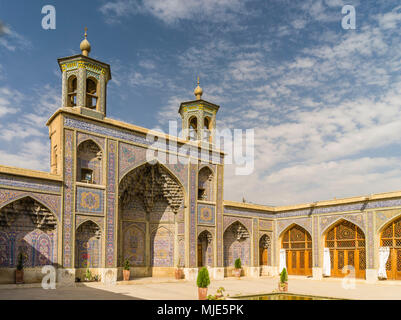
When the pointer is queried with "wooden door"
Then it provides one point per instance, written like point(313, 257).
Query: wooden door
point(298, 243)
point(200, 255)
point(263, 256)
point(347, 248)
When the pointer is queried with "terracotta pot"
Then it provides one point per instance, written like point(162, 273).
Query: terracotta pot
point(126, 274)
point(19, 276)
point(202, 293)
point(179, 273)
point(283, 287)
point(237, 273)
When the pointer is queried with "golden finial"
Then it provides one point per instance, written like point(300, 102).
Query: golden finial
point(85, 46)
point(198, 91)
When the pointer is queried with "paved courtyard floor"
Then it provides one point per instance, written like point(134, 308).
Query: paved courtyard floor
point(170, 289)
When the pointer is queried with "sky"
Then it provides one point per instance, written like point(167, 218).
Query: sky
point(324, 102)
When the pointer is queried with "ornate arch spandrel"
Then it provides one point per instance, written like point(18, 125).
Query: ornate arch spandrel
point(283, 225)
point(327, 222)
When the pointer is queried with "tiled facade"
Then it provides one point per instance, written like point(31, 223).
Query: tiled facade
point(172, 215)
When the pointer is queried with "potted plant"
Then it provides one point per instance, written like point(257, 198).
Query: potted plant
point(203, 282)
point(178, 272)
point(19, 273)
point(237, 268)
point(88, 275)
point(126, 271)
point(283, 284)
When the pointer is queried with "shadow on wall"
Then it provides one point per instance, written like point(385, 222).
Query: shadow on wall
point(29, 228)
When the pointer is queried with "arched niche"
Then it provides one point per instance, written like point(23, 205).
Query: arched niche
point(88, 245)
point(89, 163)
point(237, 244)
point(30, 228)
point(206, 184)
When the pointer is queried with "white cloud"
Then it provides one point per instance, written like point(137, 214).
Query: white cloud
point(173, 11)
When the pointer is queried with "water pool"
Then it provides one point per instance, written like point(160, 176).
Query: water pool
point(284, 296)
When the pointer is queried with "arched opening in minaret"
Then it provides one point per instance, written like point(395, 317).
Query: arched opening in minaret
point(72, 91)
point(193, 128)
point(206, 129)
point(91, 93)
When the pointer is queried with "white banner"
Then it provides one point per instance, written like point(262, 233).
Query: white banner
point(326, 262)
point(283, 263)
point(384, 253)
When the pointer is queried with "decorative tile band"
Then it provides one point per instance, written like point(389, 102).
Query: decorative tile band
point(111, 198)
point(29, 183)
point(52, 202)
point(136, 138)
point(192, 216)
point(219, 215)
point(68, 198)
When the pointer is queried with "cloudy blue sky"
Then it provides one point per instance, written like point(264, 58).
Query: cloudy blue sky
point(325, 103)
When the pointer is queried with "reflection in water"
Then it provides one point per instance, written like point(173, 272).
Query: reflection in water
point(284, 296)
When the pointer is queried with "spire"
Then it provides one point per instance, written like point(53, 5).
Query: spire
point(198, 91)
point(85, 46)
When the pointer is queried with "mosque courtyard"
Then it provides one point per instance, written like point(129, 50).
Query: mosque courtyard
point(171, 289)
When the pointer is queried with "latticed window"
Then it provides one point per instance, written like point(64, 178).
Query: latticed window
point(345, 235)
point(297, 238)
point(347, 248)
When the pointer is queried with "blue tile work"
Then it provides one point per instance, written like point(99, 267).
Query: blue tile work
point(206, 214)
point(111, 198)
point(131, 136)
point(305, 223)
point(68, 198)
point(89, 200)
point(29, 183)
point(192, 217)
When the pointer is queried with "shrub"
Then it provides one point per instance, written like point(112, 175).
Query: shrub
point(126, 264)
point(283, 276)
point(237, 263)
point(20, 263)
point(88, 275)
point(203, 279)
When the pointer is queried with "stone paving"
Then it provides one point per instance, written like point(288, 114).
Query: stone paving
point(170, 289)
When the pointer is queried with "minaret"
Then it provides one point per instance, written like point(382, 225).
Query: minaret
point(84, 83)
point(199, 118)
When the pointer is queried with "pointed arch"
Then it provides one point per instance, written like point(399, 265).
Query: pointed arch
point(89, 167)
point(232, 223)
point(297, 242)
point(264, 249)
point(206, 184)
point(390, 236)
point(388, 222)
point(33, 197)
point(88, 245)
point(205, 248)
point(237, 244)
point(337, 220)
point(177, 196)
point(28, 227)
point(290, 226)
point(347, 244)
point(134, 239)
point(92, 140)
point(137, 166)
